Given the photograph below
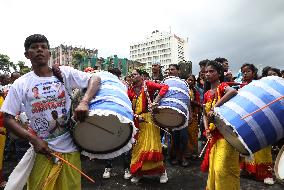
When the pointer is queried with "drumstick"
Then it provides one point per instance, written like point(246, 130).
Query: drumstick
point(281, 97)
point(164, 130)
point(159, 127)
point(204, 148)
point(74, 167)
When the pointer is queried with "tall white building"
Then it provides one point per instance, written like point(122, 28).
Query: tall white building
point(164, 47)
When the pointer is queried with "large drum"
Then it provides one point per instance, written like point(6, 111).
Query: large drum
point(261, 129)
point(279, 165)
point(172, 111)
point(109, 129)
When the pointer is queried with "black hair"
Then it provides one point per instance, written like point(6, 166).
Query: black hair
point(203, 63)
point(145, 73)
point(35, 38)
point(115, 71)
point(251, 67)
point(191, 75)
point(174, 65)
point(139, 71)
point(14, 73)
point(266, 69)
point(218, 67)
point(221, 59)
point(127, 76)
point(34, 88)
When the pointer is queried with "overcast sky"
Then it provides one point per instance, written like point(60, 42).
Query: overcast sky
point(240, 30)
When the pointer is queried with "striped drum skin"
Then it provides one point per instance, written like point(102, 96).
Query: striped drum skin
point(109, 129)
point(172, 111)
point(262, 128)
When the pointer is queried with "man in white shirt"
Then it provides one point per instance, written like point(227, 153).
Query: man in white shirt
point(53, 94)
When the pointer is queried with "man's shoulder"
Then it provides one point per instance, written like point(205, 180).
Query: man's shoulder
point(67, 70)
point(23, 79)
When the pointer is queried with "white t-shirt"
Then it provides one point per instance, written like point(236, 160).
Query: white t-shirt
point(47, 104)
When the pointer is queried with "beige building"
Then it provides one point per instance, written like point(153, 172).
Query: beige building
point(64, 55)
point(163, 47)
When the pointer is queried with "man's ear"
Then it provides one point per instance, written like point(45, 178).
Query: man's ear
point(27, 55)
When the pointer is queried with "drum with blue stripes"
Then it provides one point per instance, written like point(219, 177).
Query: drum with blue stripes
point(109, 129)
point(172, 111)
point(263, 128)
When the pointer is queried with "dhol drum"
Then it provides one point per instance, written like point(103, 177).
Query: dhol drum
point(260, 129)
point(172, 111)
point(109, 129)
point(279, 165)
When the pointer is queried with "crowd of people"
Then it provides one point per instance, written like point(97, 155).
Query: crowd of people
point(212, 87)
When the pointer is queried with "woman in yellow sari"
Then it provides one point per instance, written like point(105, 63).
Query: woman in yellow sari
point(193, 124)
point(147, 157)
point(223, 159)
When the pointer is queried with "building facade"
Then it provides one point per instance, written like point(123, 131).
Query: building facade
point(162, 47)
point(67, 55)
point(81, 58)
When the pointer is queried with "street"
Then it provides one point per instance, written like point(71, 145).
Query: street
point(179, 178)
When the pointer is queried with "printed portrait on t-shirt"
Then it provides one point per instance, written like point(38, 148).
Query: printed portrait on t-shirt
point(35, 92)
point(48, 108)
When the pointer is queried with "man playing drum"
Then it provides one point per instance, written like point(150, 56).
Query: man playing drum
point(180, 137)
point(52, 96)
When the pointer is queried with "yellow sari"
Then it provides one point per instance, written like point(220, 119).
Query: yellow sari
point(147, 157)
point(224, 169)
point(261, 164)
point(193, 128)
point(2, 140)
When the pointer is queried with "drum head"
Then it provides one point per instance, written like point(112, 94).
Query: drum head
point(279, 164)
point(102, 134)
point(168, 118)
point(230, 135)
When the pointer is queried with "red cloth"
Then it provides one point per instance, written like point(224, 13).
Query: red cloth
point(208, 96)
point(151, 87)
point(216, 135)
point(148, 156)
point(197, 96)
point(260, 171)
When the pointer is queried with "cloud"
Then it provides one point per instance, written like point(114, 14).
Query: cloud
point(240, 30)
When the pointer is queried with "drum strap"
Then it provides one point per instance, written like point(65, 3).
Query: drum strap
point(58, 74)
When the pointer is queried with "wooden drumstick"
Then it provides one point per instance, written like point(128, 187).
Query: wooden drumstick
point(250, 114)
point(74, 167)
point(159, 128)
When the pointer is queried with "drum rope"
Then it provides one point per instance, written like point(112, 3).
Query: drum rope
point(250, 114)
point(204, 148)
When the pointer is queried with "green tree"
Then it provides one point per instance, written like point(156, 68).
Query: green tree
point(23, 69)
point(77, 59)
point(5, 64)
